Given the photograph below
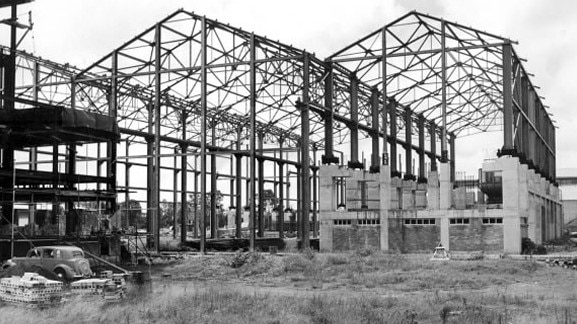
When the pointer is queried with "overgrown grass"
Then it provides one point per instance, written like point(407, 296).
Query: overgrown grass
point(357, 287)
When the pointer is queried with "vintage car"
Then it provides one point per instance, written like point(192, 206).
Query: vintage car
point(68, 262)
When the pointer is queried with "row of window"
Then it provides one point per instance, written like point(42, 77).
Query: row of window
point(369, 222)
point(467, 221)
point(420, 221)
point(359, 222)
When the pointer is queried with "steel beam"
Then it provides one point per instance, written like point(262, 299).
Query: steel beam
point(238, 182)
point(157, 103)
point(507, 102)
point(203, 137)
point(260, 188)
point(422, 173)
point(305, 169)
point(384, 97)
point(375, 155)
point(213, 187)
point(433, 154)
point(252, 106)
point(444, 152)
point(329, 157)
point(354, 125)
point(409, 144)
point(393, 123)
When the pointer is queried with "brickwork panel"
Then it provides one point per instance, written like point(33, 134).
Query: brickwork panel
point(412, 238)
point(476, 236)
point(348, 238)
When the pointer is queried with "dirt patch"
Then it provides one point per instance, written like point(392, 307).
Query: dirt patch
point(19, 270)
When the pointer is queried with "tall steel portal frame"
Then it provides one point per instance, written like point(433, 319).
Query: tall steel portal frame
point(190, 87)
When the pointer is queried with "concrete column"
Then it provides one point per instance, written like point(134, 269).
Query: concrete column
point(384, 201)
point(446, 188)
point(445, 232)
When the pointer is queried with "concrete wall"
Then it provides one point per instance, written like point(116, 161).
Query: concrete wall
point(346, 238)
point(531, 208)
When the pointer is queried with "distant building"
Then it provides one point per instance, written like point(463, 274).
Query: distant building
point(567, 179)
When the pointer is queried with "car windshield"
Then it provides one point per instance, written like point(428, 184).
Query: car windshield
point(77, 254)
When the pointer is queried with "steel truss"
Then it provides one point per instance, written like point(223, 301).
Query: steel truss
point(194, 87)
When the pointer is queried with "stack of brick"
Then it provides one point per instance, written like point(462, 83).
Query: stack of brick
point(31, 289)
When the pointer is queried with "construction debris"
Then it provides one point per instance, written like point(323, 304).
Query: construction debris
point(31, 289)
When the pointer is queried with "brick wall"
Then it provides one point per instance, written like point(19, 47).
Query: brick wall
point(476, 236)
point(352, 237)
point(413, 238)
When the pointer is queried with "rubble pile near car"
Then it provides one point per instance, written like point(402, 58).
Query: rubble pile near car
point(31, 290)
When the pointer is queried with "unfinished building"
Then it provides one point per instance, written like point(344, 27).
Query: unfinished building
point(140, 124)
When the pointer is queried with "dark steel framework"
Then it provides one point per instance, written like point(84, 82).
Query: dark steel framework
point(191, 87)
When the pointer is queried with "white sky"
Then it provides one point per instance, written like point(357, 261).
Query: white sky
point(81, 31)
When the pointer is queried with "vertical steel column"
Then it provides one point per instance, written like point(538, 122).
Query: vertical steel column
point(111, 163)
point(8, 103)
point(213, 187)
point(183, 182)
point(55, 199)
point(196, 199)
point(203, 101)
point(328, 116)
point(452, 138)
point(375, 127)
point(507, 101)
point(260, 186)
point(175, 193)
point(354, 126)
point(280, 199)
point(408, 144)
point(127, 206)
point(314, 189)
point(444, 152)
point(238, 218)
point(305, 160)
point(157, 94)
point(422, 173)
point(433, 156)
point(251, 193)
point(149, 171)
point(393, 123)
point(384, 94)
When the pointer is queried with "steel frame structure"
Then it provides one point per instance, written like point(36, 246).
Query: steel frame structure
point(191, 87)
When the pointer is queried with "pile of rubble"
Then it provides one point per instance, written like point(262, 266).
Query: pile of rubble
point(31, 290)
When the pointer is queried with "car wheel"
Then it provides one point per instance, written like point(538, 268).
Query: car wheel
point(61, 274)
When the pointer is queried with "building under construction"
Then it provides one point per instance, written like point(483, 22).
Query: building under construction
point(196, 114)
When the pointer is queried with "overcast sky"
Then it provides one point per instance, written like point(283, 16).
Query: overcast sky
point(81, 31)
